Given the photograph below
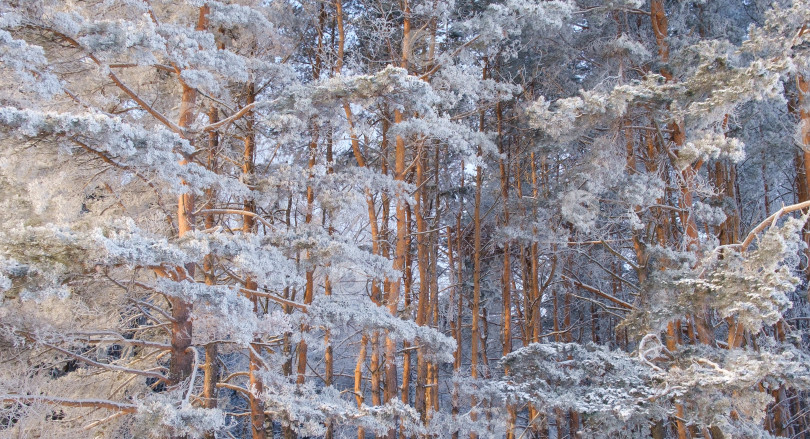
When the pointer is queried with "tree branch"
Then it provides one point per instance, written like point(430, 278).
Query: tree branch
point(148, 108)
point(120, 339)
point(771, 220)
point(238, 212)
point(599, 293)
point(91, 362)
point(91, 403)
point(234, 117)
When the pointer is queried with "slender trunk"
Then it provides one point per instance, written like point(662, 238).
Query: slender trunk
point(358, 380)
point(309, 288)
point(341, 36)
point(211, 366)
point(407, 283)
point(385, 251)
point(457, 359)
point(182, 359)
point(456, 324)
point(328, 359)
point(248, 223)
point(803, 87)
point(392, 300)
point(803, 159)
point(476, 301)
point(422, 261)
point(506, 276)
point(527, 335)
point(556, 312)
point(433, 391)
point(534, 280)
point(661, 29)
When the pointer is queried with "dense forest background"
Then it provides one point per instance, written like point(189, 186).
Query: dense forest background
point(404, 218)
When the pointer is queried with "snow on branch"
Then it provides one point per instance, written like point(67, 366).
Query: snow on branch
point(341, 311)
point(70, 402)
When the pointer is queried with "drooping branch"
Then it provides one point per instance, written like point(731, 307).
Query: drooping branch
point(235, 388)
point(237, 212)
point(771, 220)
point(228, 120)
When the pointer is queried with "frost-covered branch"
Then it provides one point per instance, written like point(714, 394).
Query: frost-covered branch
point(275, 298)
point(145, 105)
point(141, 303)
point(238, 212)
point(88, 337)
point(232, 118)
point(600, 293)
point(69, 402)
point(94, 363)
point(771, 220)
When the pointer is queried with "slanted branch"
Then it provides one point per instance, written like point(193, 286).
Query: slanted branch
point(600, 293)
point(771, 220)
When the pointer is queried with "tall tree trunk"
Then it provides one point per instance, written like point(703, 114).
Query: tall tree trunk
point(376, 235)
point(309, 288)
point(358, 380)
point(329, 361)
point(407, 349)
point(424, 281)
point(211, 366)
point(435, 236)
point(385, 251)
point(182, 359)
point(803, 87)
point(475, 306)
point(803, 158)
point(537, 290)
point(402, 230)
point(248, 223)
point(661, 29)
point(506, 276)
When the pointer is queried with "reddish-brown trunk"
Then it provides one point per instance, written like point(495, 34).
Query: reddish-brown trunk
point(309, 288)
point(476, 300)
point(358, 380)
point(424, 281)
point(182, 359)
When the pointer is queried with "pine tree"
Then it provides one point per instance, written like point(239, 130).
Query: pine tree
point(410, 218)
